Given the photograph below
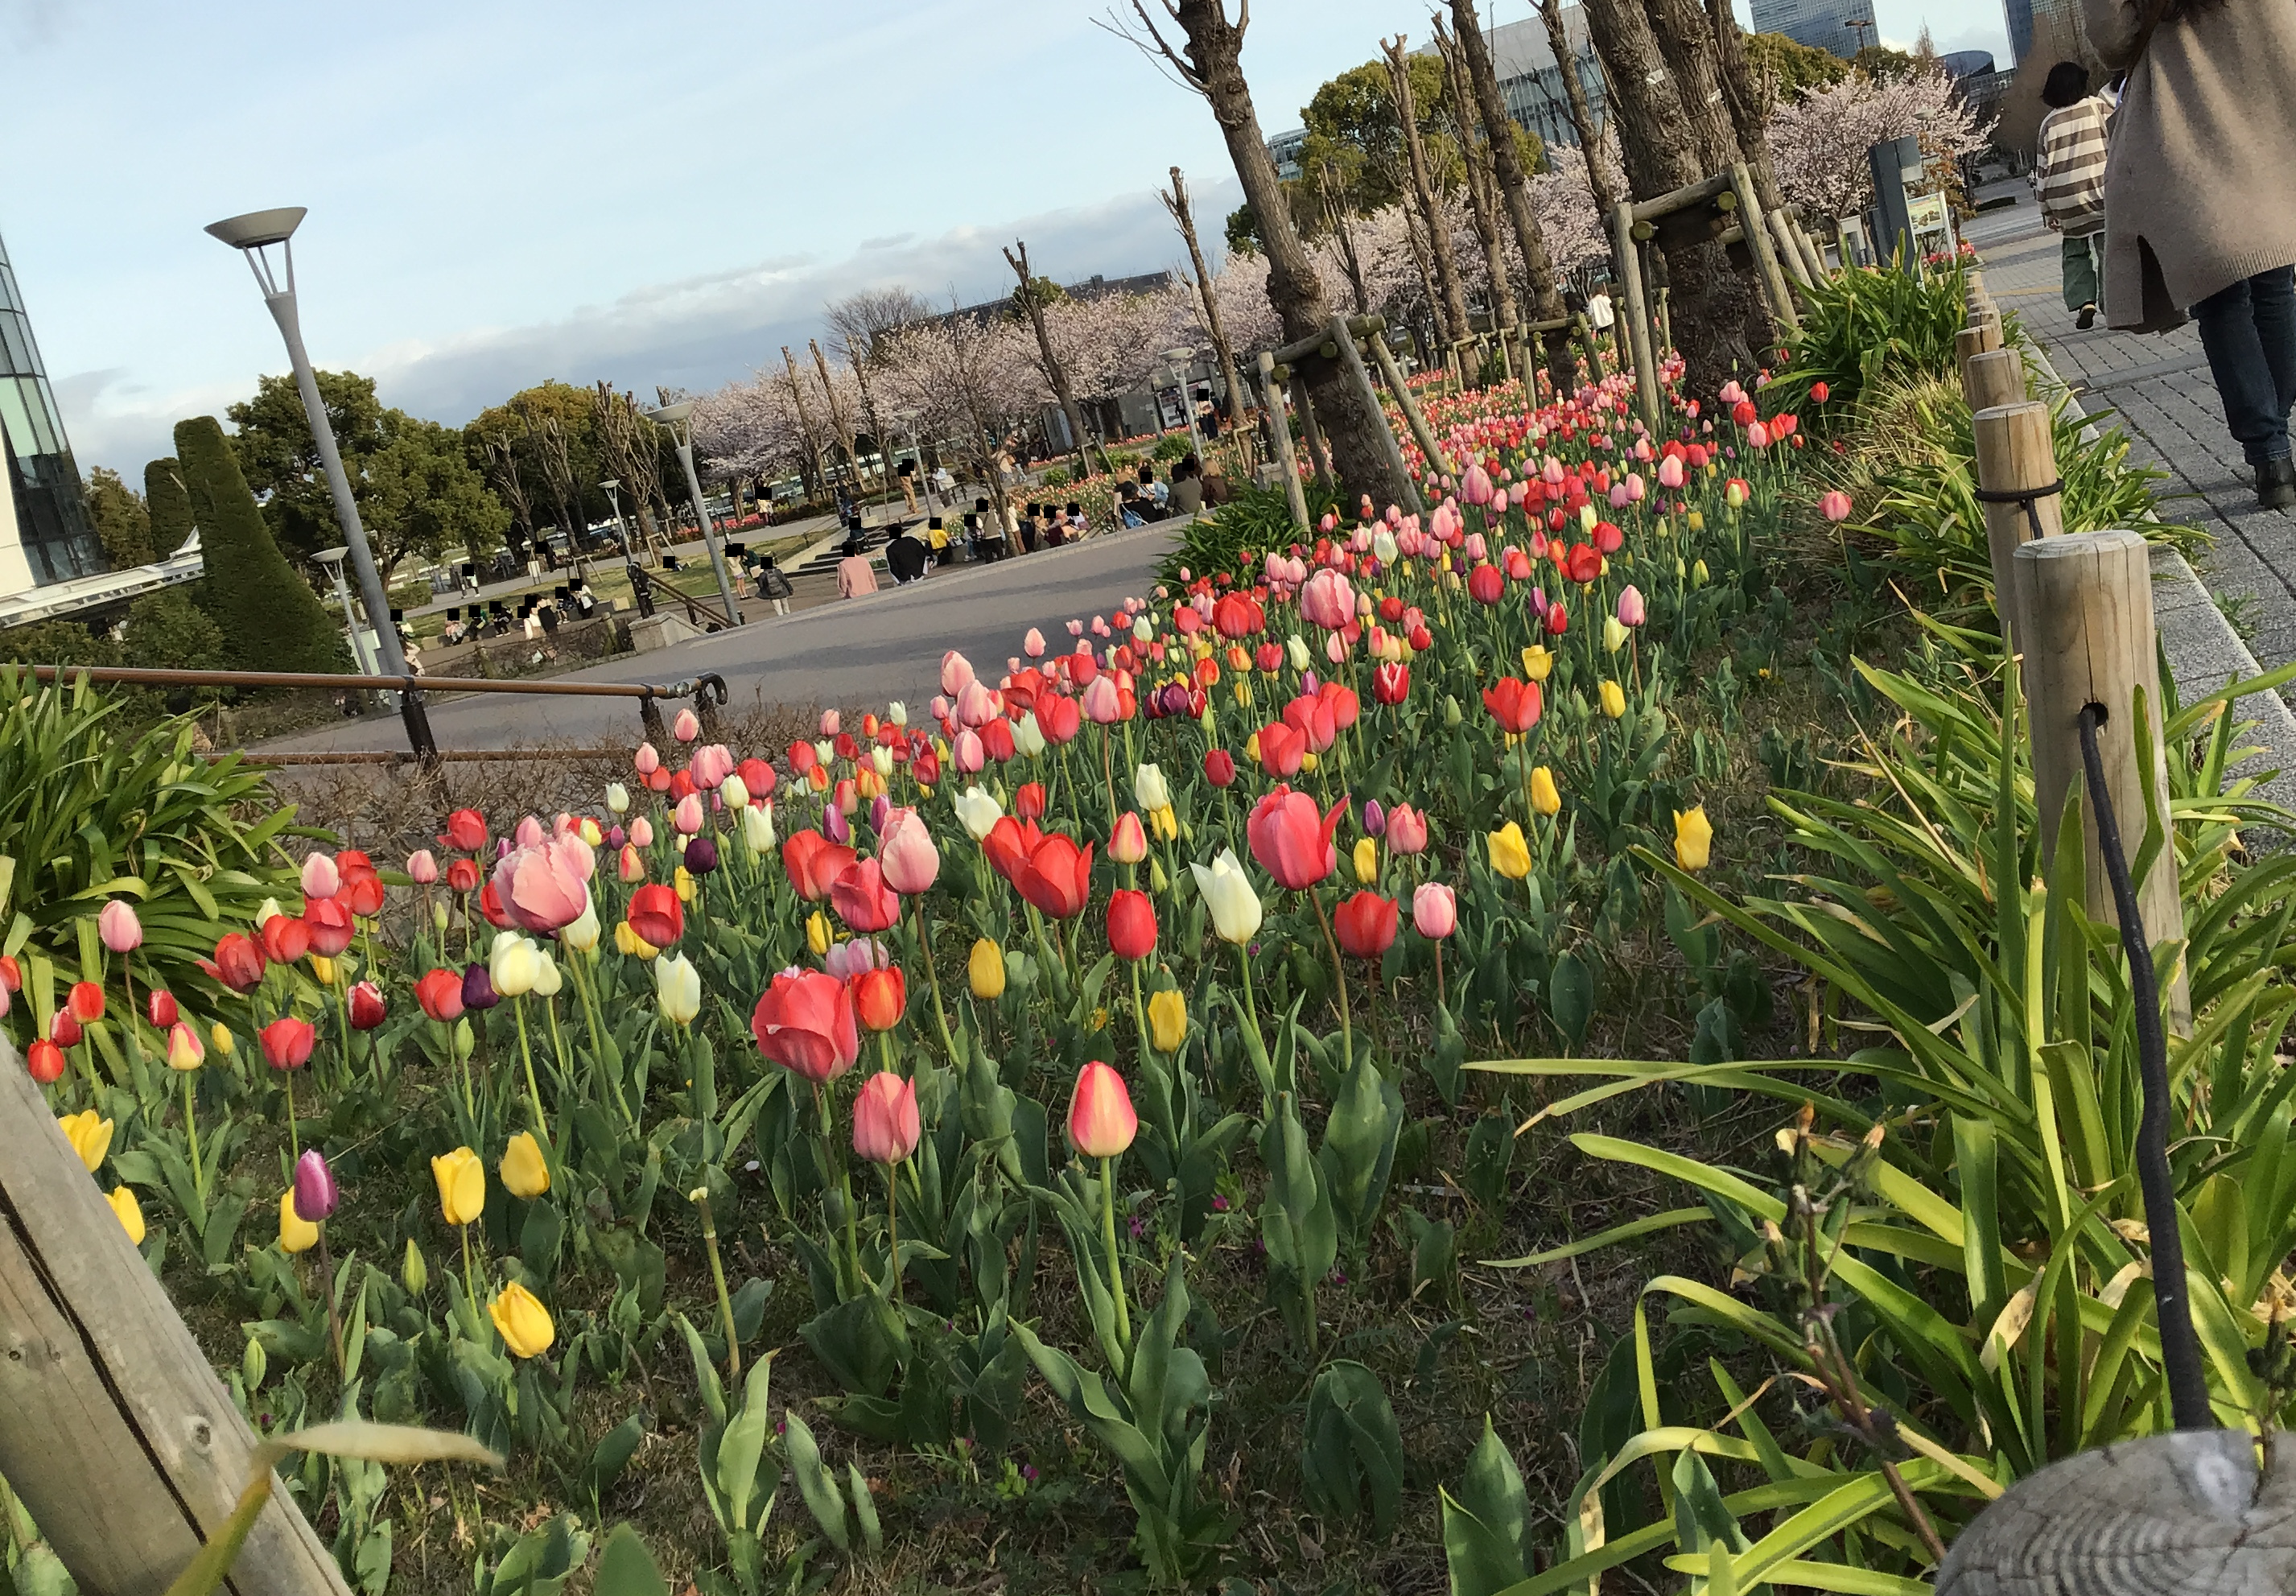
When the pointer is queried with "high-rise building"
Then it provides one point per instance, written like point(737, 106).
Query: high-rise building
point(1842, 25)
point(45, 536)
point(2056, 24)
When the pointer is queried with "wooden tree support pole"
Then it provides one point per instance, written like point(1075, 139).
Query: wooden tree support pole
point(1818, 271)
point(113, 1429)
point(1279, 438)
point(1319, 460)
point(1351, 359)
point(2085, 627)
point(1584, 332)
point(1788, 253)
point(2016, 453)
point(1758, 241)
point(1629, 255)
point(1409, 403)
point(1994, 378)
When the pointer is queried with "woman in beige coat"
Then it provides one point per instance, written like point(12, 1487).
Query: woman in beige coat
point(2199, 199)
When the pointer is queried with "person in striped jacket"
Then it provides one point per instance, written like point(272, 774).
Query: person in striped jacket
point(2069, 177)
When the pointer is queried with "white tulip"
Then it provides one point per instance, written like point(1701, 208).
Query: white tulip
point(978, 812)
point(1228, 893)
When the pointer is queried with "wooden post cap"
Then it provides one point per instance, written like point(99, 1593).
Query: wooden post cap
point(2174, 1515)
point(1992, 378)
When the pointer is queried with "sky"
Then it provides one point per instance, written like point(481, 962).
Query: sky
point(503, 192)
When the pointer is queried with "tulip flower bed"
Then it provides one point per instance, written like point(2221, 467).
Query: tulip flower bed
point(1059, 1087)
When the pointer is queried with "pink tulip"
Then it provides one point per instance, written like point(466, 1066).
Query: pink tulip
point(886, 1128)
point(1406, 830)
point(1434, 910)
point(956, 673)
point(647, 761)
point(1476, 549)
point(528, 834)
point(422, 868)
point(1291, 841)
point(976, 705)
point(710, 765)
point(968, 753)
point(1835, 505)
point(911, 863)
point(1631, 612)
point(832, 721)
point(540, 889)
point(1328, 600)
point(689, 816)
point(1475, 487)
point(686, 726)
point(1076, 629)
point(1620, 499)
point(122, 933)
point(1669, 472)
point(1757, 436)
point(1102, 702)
point(642, 833)
point(1033, 645)
point(1101, 1121)
point(320, 878)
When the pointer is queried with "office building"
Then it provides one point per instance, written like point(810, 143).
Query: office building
point(45, 536)
point(1842, 25)
point(2056, 24)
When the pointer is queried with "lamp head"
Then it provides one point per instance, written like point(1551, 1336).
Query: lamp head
point(257, 228)
point(331, 556)
point(671, 415)
point(611, 484)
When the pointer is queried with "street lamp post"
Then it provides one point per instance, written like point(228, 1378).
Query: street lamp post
point(252, 235)
point(640, 590)
point(1182, 360)
point(332, 559)
point(679, 419)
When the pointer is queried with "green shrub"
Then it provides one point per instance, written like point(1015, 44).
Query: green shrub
point(1057, 477)
point(90, 811)
point(270, 619)
point(168, 504)
point(56, 643)
point(1171, 446)
point(1234, 537)
point(166, 631)
point(1869, 327)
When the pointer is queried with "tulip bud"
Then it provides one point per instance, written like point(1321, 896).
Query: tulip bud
point(985, 968)
point(525, 1172)
point(1102, 1122)
point(414, 1273)
point(254, 1363)
point(314, 1192)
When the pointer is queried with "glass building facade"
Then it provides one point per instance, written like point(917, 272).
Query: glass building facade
point(1840, 26)
point(51, 519)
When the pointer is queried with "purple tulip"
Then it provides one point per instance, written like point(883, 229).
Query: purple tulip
point(880, 808)
point(479, 988)
point(700, 855)
point(834, 822)
point(1375, 820)
point(316, 1196)
point(1308, 683)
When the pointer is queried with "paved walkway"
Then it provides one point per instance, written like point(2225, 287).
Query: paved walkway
point(2158, 390)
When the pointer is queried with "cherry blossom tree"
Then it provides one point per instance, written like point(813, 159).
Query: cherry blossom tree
point(1818, 143)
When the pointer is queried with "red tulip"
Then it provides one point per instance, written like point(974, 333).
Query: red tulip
point(861, 898)
point(86, 1002)
point(64, 1029)
point(1340, 699)
point(330, 926)
point(1390, 683)
point(285, 938)
point(1238, 616)
point(1008, 844)
point(1131, 924)
point(1365, 924)
point(440, 995)
point(238, 963)
point(1219, 768)
point(287, 1042)
point(1058, 877)
point(1059, 718)
point(1028, 802)
point(466, 829)
point(1608, 539)
point(1486, 584)
point(886, 1128)
point(1558, 618)
point(1292, 842)
point(1312, 717)
point(12, 973)
point(44, 1062)
point(803, 758)
point(880, 998)
point(812, 862)
point(656, 915)
point(1582, 563)
point(804, 1023)
point(462, 875)
point(1515, 705)
point(1282, 748)
point(1269, 657)
point(490, 905)
point(366, 1006)
point(1101, 1123)
point(1819, 392)
point(160, 1008)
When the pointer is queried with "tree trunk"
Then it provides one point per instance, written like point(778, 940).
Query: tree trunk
point(1336, 216)
point(1476, 154)
point(1710, 311)
point(1177, 202)
point(1054, 372)
point(1685, 41)
point(810, 439)
point(836, 419)
point(1582, 114)
point(1351, 418)
point(1538, 264)
point(1422, 189)
point(1749, 104)
point(1426, 284)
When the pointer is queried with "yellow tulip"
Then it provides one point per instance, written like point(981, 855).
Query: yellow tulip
point(986, 969)
point(131, 1215)
point(1164, 822)
point(1545, 797)
point(1167, 1020)
point(1537, 662)
point(1308, 761)
point(683, 882)
point(296, 1233)
point(1698, 577)
point(1693, 838)
point(220, 1039)
point(816, 934)
point(90, 1135)
point(323, 969)
point(524, 1174)
point(1614, 699)
point(522, 1320)
point(1243, 691)
point(1697, 521)
point(1614, 634)
point(1510, 854)
point(1366, 860)
point(462, 1185)
point(632, 945)
point(1252, 748)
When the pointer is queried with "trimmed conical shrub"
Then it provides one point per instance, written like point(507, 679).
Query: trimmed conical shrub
point(270, 618)
point(168, 504)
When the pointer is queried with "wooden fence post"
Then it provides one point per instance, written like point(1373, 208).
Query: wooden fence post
point(1279, 434)
point(1409, 403)
point(1318, 460)
point(114, 1431)
point(2016, 453)
point(1351, 359)
point(1629, 256)
point(2085, 629)
point(1980, 337)
point(1788, 253)
point(1757, 244)
point(1996, 377)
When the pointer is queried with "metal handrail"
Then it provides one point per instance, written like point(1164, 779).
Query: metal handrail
point(707, 690)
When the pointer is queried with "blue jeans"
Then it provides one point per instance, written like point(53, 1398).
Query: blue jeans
point(2249, 330)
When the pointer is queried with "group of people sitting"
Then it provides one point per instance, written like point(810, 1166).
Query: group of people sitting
point(1140, 502)
point(535, 616)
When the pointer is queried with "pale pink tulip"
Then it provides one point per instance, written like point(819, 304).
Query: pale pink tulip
point(1631, 609)
point(123, 932)
point(1102, 702)
point(911, 863)
point(689, 815)
point(648, 761)
point(539, 889)
point(956, 673)
point(1033, 645)
point(422, 868)
point(1434, 910)
point(967, 752)
point(686, 726)
point(642, 833)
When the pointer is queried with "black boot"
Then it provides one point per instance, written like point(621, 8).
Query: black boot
point(2275, 485)
point(2087, 318)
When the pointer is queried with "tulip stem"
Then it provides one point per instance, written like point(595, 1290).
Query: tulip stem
point(932, 972)
point(327, 1285)
point(1438, 974)
point(343, 1008)
point(469, 1280)
point(526, 1052)
point(1115, 1264)
point(1338, 975)
point(294, 1141)
point(191, 1133)
point(1108, 771)
point(717, 1274)
point(893, 1224)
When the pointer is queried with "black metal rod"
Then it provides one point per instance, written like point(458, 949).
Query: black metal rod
point(2180, 1348)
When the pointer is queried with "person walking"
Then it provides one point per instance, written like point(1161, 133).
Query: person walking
point(773, 584)
point(2199, 200)
point(2068, 179)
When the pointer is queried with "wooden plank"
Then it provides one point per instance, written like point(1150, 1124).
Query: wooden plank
point(113, 1429)
point(1352, 359)
point(1765, 260)
point(1279, 436)
point(1682, 199)
point(1638, 330)
point(1409, 403)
